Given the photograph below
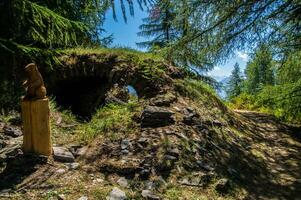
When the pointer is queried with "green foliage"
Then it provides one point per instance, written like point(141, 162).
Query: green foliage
point(218, 28)
point(122, 53)
point(158, 25)
point(259, 71)
point(33, 30)
point(111, 121)
point(194, 88)
point(279, 95)
point(243, 101)
point(290, 70)
point(198, 90)
point(282, 100)
point(234, 87)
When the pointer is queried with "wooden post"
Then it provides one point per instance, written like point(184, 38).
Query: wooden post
point(36, 126)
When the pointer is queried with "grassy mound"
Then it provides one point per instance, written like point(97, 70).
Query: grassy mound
point(207, 151)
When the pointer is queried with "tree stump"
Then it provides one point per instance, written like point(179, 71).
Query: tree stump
point(36, 126)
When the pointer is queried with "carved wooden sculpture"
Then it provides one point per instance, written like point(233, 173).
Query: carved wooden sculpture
point(35, 114)
point(34, 84)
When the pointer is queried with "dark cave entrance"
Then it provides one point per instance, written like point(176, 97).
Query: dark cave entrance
point(82, 95)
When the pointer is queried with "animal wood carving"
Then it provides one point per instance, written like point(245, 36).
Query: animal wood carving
point(34, 84)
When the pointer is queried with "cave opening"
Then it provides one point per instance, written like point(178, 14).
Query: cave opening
point(82, 95)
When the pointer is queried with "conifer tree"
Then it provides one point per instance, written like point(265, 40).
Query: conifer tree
point(33, 30)
point(234, 87)
point(158, 25)
point(259, 71)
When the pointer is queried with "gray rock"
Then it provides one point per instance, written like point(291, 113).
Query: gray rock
point(190, 181)
point(81, 151)
point(149, 185)
point(147, 194)
point(62, 154)
point(190, 116)
point(116, 194)
point(123, 182)
point(83, 198)
point(125, 143)
point(11, 131)
point(11, 150)
point(169, 157)
point(163, 100)
point(72, 166)
point(143, 141)
point(156, 117)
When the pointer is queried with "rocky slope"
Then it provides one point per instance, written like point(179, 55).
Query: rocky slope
point(176, 141)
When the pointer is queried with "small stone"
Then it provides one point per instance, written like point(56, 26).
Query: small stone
point(61, 197)
point(99, 180)
point(147, 194)
point(116, 194)
point(169, 157)
point(125, 143)
point(222, 186)
point(72, 166)
point(62, 154)
point(123, 182)
point(83, 198)
point(184, 181)
point(60, 171)
point(81, 151)
point(125, 151)
point(149, 185)
point(13, 132)
point(142, 140)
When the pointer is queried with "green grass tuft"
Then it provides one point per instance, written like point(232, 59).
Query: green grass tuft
point(111, 121)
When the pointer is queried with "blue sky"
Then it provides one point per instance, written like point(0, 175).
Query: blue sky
point(125, 35)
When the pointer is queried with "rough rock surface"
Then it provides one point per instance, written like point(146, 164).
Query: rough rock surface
point(147, 194)
point(116, 194)
point(156, 117)
point(12, 131)
point(62, 154)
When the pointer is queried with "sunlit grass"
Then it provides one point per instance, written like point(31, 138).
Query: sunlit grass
point(112, 121)
point(123, 52)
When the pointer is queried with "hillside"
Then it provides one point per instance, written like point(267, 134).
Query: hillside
point(174, 140)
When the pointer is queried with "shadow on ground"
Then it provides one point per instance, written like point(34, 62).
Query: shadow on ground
point(21, 168)
point(265, 159)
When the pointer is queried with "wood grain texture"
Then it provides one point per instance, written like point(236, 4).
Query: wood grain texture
point(36, 126)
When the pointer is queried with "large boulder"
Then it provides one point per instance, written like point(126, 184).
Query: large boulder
point(153, 116)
